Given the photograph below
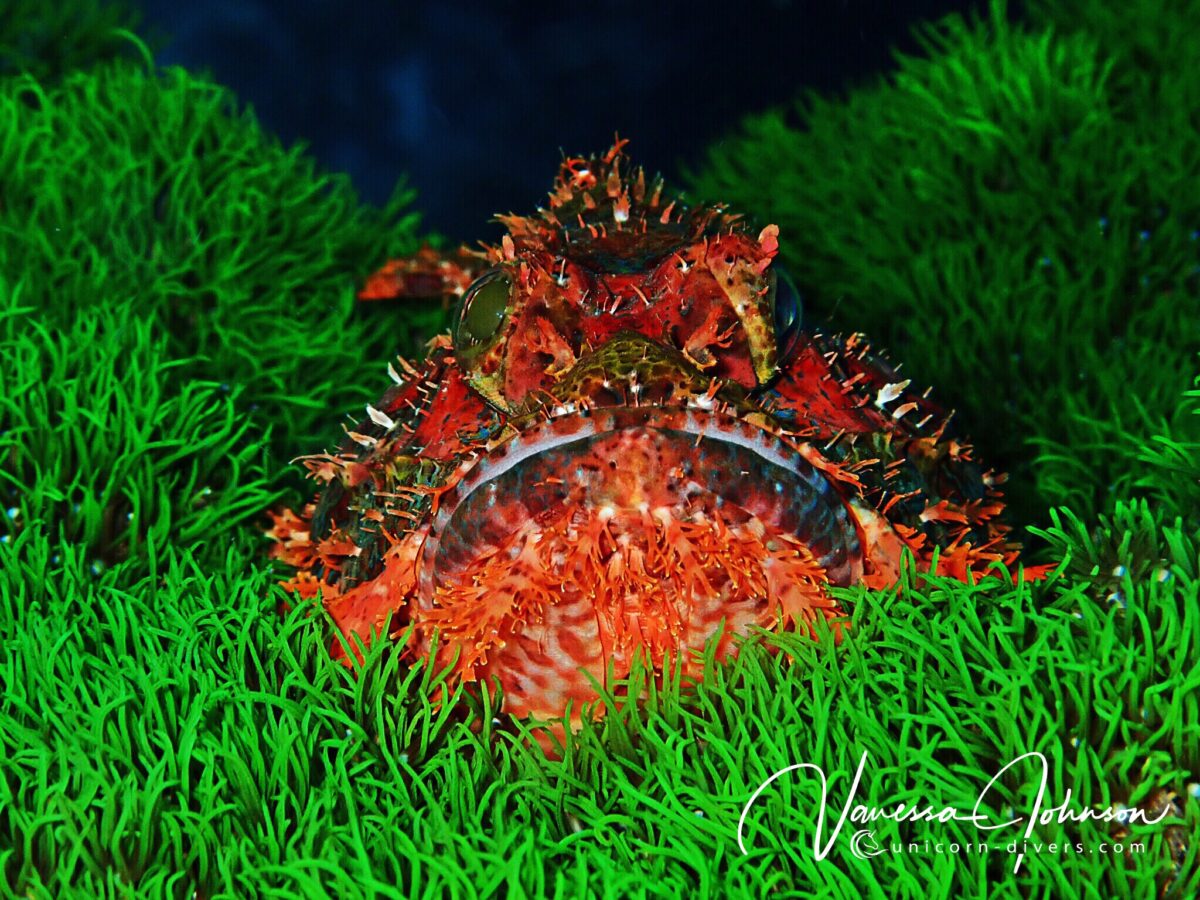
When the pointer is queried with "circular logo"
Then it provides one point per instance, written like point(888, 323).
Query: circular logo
point(863, 844)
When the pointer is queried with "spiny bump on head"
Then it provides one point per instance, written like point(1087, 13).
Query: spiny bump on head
point(595, 196)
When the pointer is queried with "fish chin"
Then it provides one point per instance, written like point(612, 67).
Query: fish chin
point(598, 534)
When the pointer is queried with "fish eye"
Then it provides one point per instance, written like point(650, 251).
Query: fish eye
point(484, 306)
point(788, 310)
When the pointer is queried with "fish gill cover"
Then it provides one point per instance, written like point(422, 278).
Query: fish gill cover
point(1009, 213)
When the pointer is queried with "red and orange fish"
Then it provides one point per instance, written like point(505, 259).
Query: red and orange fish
point(627, 444)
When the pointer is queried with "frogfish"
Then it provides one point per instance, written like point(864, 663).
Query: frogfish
point(627, 445)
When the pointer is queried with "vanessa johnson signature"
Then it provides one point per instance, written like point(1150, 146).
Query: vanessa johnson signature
point(1039, 814)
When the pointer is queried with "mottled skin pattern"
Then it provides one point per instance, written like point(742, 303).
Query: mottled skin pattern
point(626, 446)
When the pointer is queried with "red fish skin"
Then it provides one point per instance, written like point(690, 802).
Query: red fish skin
point(624, 447)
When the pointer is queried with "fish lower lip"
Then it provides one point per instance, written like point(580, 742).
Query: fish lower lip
point(626, 463)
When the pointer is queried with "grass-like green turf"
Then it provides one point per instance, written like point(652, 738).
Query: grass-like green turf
point(1014, 214)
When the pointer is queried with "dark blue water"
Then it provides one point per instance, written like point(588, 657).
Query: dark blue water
point(473, 100)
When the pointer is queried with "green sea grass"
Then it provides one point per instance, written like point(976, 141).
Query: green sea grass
point(177, 322)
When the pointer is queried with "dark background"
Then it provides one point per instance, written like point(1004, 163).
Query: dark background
point(474, 101)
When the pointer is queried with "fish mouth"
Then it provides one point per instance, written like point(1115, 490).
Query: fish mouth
point(599, 532)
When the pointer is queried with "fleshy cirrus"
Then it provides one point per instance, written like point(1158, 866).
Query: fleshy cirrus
point(627, 444)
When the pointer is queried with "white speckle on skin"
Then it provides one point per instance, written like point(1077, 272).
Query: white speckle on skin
point(890, 392)
point(380, 418)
